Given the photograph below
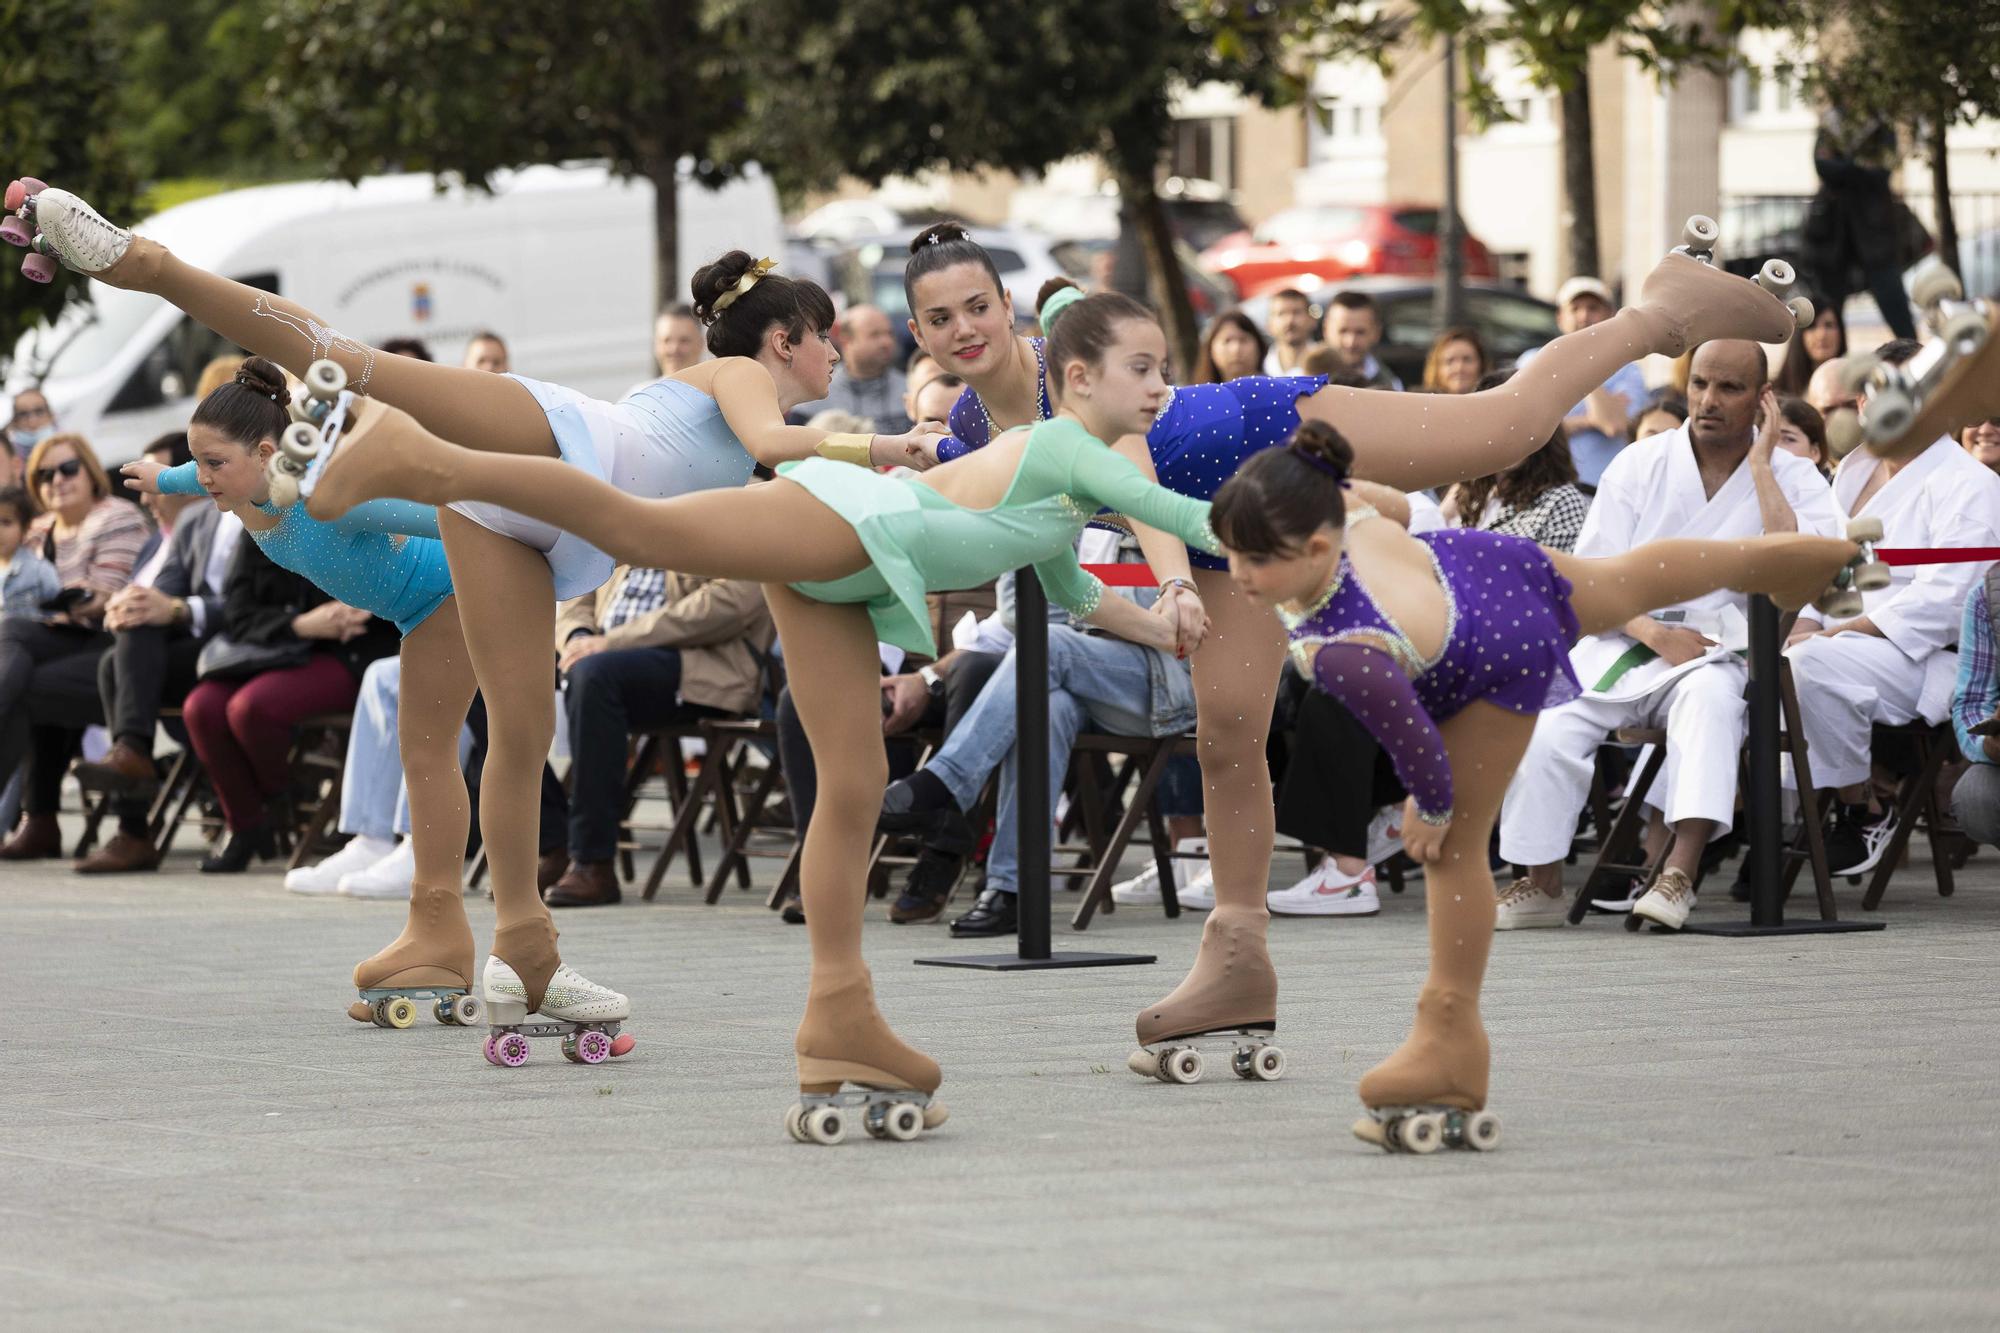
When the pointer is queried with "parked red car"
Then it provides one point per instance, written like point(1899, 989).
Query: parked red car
point(1309, 247)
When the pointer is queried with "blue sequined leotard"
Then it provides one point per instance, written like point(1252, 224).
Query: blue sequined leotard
point(1198, 440)
point(383, 556)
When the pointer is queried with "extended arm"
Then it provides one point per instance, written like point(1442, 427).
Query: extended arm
point(1373, 688)
point(1097, 473)
point(748, 398)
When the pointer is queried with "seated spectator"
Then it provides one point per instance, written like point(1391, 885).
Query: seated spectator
point(26, 580)
point(648, 649)
point(1982, 440)
point(929, 389)
point(1537, 498)
point(867, 382)
point(487, 351)
point(1975, 703)
point(1456, 361)
point(93, 539)
point(1802, 433)
point(1231, 348)
point(28, 424)
point(1716, 477)
point(1892, 664)
point(1668, 411)
point(1292, 329)
point(159, 622)
point(1118, 687)
point(1353, 329)
point(1823, 340)
point(1596, 426)
point(677, 344)
point(284, 652)
point(1828, 393)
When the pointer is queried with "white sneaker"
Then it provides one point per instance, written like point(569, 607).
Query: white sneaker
point(360, 852)
point(78, 234)
point(1385, 834)
point(390, 877)
point(1199, 893)
point(1635, 889)
point(1525, 907)
point(569, 996)
point(1327, 892)
point(1874, 841)
point(1143, 889)
point(1669, 901)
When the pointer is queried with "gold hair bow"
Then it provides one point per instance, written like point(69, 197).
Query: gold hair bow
point(744, 283)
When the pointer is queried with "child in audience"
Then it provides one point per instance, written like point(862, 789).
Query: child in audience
point(28, 580)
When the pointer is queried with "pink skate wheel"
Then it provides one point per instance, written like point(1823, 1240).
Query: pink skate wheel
point(15, 232)
point(512, 1050)
point(39, 268)
point(623, 1043)
point(30, 185)
point(592, 1047)
point(492, 1056)
point(17, 194)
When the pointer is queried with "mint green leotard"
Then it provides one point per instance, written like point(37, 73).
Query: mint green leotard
point(921, 542)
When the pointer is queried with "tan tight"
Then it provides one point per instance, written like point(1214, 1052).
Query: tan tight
point(435, 948)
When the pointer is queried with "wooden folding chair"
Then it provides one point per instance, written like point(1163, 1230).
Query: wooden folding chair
point(1916, 801)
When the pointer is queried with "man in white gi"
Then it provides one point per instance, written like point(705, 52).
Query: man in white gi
point(1716, 476)
point(1895, 663)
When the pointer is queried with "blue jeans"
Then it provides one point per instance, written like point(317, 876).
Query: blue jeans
point(374, 799)
point(1118, 687)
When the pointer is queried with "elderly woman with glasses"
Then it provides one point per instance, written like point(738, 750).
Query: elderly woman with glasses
point(94, 540)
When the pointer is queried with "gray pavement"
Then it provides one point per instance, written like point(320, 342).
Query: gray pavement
point(1700, 1133)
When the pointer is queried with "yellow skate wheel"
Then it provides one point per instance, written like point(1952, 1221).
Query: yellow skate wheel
point(398, 1011)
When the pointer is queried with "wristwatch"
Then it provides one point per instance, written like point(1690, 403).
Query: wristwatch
point(933, 681)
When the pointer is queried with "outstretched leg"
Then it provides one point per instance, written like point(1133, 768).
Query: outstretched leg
point(843, 1037)
point(1236, 671)
point(435, 948)
point(1790, 568)
point(1444, 1061)
point(1417, 441)
point(776, 532)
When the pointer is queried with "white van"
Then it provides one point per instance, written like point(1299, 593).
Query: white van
point(558, 261)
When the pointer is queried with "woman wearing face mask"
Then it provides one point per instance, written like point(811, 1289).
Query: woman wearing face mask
point(31, 423)
point(93, 539)
point(705, 427)
point(963, 316)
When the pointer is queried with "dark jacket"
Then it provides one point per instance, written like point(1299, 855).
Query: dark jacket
point(260, 601)
point(187, 562)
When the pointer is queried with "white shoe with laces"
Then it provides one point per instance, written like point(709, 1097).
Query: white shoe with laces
point(1143, 889)
point(78, 233)
point(569, 996)
point(1327, 892)
point(1525, 907)
point(391, 877)
point(1669, 901)
point(324, 879)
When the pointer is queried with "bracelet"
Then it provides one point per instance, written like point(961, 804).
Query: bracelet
point(856, 449)
point(1435, 820)
point(1178, 582)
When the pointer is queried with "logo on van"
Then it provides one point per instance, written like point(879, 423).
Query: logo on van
point(420, 302)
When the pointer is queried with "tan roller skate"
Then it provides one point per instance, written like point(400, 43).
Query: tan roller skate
point(854, 1069)
point(362, 449)
point(1232, 990)
point(1696, 301)
point(431, 960)
point(1953, 381)
point(1431, 1093)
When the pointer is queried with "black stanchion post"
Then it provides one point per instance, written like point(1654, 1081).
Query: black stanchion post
point(1032, 804)
point(1765, 827)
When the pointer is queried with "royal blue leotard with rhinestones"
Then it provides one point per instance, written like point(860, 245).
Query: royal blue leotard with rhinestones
point(383, 556)
point(1198, 440)
point(1508, 629)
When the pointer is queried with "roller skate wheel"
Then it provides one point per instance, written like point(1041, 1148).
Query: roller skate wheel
point(1700, 232)
point(622, 1044)
point(284, 488)
point(1867, 529)
point(1964, 330)
point(1843, 432)
point(301, 405)
point(1267, 1064)
point(1934, 282)
point(299, 442)
point(1421, 1134)
point(1481, 1131)
point(378, 1013)
point(466, 1010)
point(825, 1125)
point(39, 268)
point(904, 1121)
point(399, 1011)
point(795, 1122)
point(1887, 414)
point(325, 379)
point(488, 1049)
point(15, 232)
point(1182, 1066)
point(569, 1050)
point(1841, 604)
point(1143, 1063)
point(443, 1012)
point(512, 1050)
point(592, 1047)
point(17, 194)
point(1802, 311)
point(1872, 577)
point(1776, 276)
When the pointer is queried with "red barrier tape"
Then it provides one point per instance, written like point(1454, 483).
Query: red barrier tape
point(1124, 576)
point(1936, 555)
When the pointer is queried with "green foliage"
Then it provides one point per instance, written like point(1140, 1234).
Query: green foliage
point(191, 78)
point(59, 83)
point(1907, 64)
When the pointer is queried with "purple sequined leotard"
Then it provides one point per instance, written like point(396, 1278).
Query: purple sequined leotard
point(1507, 636)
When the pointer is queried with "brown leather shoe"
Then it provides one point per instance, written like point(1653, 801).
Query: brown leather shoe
point(585, 884)
point(124, 769)
point(122, 854)
point(550, 869)
point(37, 839)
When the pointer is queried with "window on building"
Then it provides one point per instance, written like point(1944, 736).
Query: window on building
point(1205, 150)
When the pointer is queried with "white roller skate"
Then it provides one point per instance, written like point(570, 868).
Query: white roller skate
point(584, 1014)
point(58, 226)
point(1425, 1129)
point(1180, 1060)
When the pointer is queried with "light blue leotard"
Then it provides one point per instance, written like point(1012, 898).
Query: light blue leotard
point(383, 556)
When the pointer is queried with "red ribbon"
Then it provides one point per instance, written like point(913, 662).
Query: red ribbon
point(1936, 555)
point(1124, 576)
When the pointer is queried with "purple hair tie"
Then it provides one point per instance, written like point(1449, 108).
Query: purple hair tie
point(1315, 460)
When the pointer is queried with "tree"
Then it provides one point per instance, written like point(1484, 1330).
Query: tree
point(877, 88)
point(469, 88)
point(191, 79)
point(59, 83)
point(1922, 68)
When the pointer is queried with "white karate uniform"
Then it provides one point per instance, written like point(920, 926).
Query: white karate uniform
point(1848, 683)
point(1653, 490)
